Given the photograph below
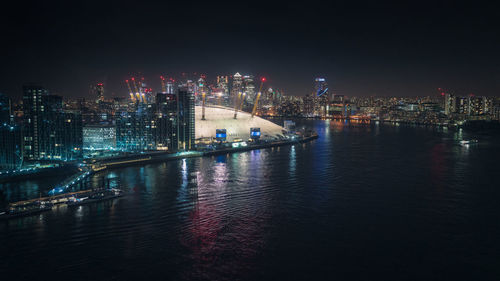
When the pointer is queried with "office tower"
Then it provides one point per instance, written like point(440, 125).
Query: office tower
point(166, 136)
point(175, 120)
point(135, 129)
point(449, 104)
point(99, 137)
point(222, 84)
point(170, 86)
point(237, 86)
point(477, 105)
point(320, 87)
point(100, 92)
point(33, 112)
point(249, 87)
point(462, 105)
point(60, 137)
point(186, 119)
point(49, 132)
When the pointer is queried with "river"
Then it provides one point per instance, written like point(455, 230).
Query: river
point(362, 202)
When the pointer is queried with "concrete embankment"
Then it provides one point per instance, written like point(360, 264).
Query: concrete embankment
point(147, 158)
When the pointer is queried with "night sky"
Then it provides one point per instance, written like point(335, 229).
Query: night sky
point(382, 48)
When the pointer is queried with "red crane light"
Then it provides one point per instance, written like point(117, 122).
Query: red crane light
point(263, 79)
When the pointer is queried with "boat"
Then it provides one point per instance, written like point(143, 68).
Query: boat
point(42, 204)
point(25, 210)
point(467, 142)
point(94, 196)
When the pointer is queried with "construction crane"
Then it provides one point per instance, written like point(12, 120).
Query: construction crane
point(141, 90)
point(137, 93)
point(132, 97)
point(163, 87)
point(259, 93)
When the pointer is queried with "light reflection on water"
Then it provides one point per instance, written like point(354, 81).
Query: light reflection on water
point(405, 201)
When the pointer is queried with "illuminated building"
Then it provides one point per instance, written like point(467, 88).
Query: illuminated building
point(449, 104)
point(99, 137)
point(174, 122)
point(222, 84)
point(135, 129)
point(166, 122)
point(477, 105)
point(50, 133)
point(185, 119)
point(308, 105)
point(33, 111)
point(320, 87)
point(100, 92)
point(237, 86)
point(61, 135)
point(170, 86)
point(462, 105)
point(223, 118)
point(249, 87)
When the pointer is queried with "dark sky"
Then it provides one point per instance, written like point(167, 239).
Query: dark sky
point(382, 48)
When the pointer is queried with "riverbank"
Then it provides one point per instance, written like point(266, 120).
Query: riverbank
point(146, 158)
point(100, 165)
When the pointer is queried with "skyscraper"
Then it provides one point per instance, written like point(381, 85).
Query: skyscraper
point(186, 117)
point(100, 92)
point(222, 84)
point(320, 87)
point(33, 112)
point(49, 131)
point(249, 87)
point(175, 120)
point(449, 104)
point(135, 128)
point(166, 135)
point(477, 105)
point(237, 86)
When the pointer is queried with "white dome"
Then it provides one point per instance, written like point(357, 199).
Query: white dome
point(223, 118)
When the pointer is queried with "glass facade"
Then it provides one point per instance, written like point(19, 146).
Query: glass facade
point(99, 137)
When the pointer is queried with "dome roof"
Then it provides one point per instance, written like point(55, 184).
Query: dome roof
point(223, 118)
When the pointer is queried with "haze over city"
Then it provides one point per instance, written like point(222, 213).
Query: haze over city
point(363, 49)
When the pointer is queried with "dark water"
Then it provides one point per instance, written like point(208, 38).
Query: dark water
point(363, 202)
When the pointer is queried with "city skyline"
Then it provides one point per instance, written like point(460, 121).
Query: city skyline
point(249, 140)
point(385, 49)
